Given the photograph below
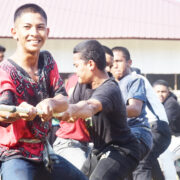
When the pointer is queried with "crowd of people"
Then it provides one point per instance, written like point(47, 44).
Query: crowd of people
point(106, 122)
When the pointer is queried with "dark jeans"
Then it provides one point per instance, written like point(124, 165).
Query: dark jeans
point(149, 167)
point(20, 169)
point(114, 164)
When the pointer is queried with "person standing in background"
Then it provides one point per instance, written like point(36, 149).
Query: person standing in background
point(171, 105)
point(172, 108)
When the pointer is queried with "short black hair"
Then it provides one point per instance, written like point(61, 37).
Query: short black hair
point(161, 82)
point(30, 8)
point(124, 50)
point(91, 49)
point(2, 49)
point(108, 50)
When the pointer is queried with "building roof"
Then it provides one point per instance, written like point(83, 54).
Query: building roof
point(151, 19)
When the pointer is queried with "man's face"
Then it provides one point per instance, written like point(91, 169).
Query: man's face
point(82, 69)
point(120, 66)
point(109, 62)
point(162, 92)
point(30, 31)
point(1, 55)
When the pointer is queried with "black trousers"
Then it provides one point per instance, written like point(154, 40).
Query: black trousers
point(136, 174)
point(149, 168)
point(112, 165)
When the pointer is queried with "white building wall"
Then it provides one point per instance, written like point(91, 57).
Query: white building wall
point(151, 56)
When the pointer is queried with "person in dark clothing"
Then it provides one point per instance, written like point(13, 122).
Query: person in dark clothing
point(97, 99)
point(171, 105)
point(173, 112)
point(172, 108)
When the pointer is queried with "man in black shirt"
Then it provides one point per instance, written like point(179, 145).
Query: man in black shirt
point(97, 99)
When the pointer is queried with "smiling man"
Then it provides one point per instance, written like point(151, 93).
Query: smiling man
point(30, 79)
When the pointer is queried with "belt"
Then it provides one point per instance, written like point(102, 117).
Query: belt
point(49, 157)
point(29, 140)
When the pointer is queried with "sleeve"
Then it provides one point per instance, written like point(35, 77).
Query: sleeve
point(81, 92)
point(172, 111)
point(56, 83)
point(5, 82)
point(136, 90)
point(7, 90)
point(7, 97)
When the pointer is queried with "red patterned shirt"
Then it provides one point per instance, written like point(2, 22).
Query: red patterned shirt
point(17, 86)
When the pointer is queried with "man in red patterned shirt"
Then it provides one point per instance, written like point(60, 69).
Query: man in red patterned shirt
point(30, 79)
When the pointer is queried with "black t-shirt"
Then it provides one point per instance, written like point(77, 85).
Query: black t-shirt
point(108, 126)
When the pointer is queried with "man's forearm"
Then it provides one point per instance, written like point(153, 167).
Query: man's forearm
point(81, 110)
point(60, 103)
point(8, 117)
point(85, 109)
